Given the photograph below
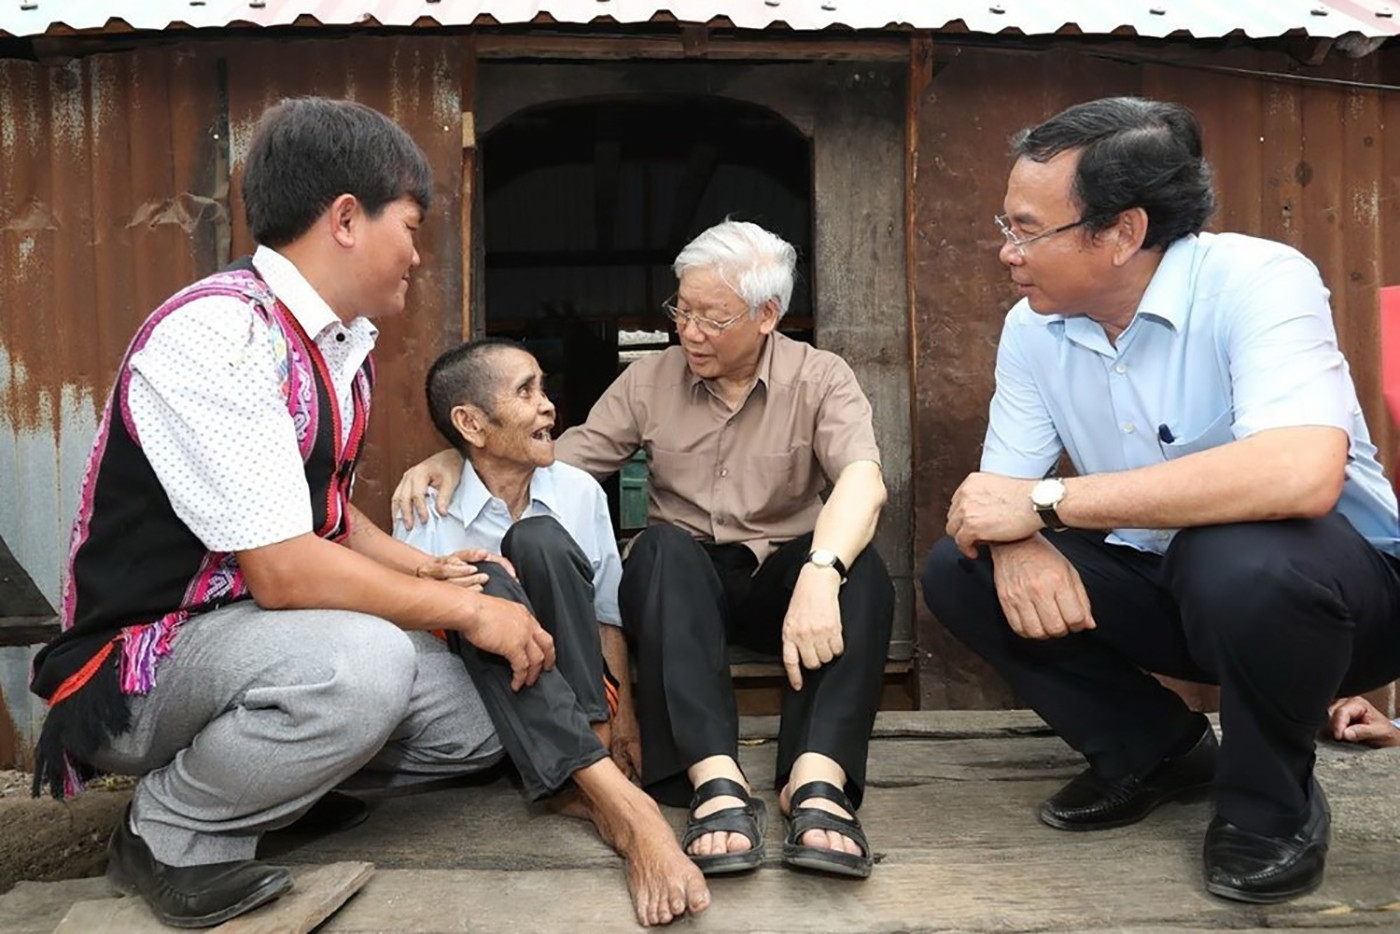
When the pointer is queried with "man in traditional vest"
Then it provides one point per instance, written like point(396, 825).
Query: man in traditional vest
point(234, 629)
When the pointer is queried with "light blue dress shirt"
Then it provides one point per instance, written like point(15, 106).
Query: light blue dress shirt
point(1233, 336)
point(476, 519)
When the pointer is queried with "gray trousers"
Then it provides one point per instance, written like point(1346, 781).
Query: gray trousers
point(258, 713)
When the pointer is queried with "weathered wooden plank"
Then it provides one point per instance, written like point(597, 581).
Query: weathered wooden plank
point(318, 891)
point(860, 291)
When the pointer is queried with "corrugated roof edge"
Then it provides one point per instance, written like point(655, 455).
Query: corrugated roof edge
point(1200, 19)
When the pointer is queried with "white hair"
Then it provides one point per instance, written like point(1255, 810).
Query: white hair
point(757, 264)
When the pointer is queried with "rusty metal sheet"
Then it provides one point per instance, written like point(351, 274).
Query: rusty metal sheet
point(1154, 18)
point(417, 81)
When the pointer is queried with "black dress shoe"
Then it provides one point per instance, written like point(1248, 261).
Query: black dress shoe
point(190, 896)
point(1250, 867)
point(1089, 802)
point(333, 813)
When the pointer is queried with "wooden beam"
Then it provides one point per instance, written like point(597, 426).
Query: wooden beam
point(468, 183)
point(533, 45)
point(921, 66)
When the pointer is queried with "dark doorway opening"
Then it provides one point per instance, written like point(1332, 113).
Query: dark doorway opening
point(587, 204)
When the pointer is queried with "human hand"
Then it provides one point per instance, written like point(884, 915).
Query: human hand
point(505, 628)
point(625, 745)
point(990, 508)
point(1040, 592)
point(442, 471)
point(1356, 720)
point(478, 555)
point(454, 569)
point(812, 626)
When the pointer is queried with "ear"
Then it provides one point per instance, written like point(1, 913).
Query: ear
point(468, 420)
point(768, 316)
point(1130, 231)
point(344, 218)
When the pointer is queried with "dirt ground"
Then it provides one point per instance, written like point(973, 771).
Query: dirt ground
point(46, 840)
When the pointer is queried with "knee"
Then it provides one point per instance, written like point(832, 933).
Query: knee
point(1236, 581)
point(870, 578)
point(656, 540)
point(499, 583)
point(945, 572)
point(536, 538)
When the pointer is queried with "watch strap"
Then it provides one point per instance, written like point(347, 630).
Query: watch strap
point(1051, 518)
point(836, 563)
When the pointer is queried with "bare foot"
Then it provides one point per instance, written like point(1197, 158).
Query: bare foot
point(664, 883)
point(824, 839)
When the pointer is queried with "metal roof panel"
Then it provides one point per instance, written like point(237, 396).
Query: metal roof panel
point(1201, 19)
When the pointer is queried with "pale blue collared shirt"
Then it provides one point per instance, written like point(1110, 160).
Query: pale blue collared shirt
point(1233, 336)
point(476, 519)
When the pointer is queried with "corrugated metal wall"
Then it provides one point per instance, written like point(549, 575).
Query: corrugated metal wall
point(1313, 165)
point(115, 192)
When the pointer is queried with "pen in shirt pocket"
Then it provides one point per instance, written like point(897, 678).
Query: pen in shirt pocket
point(1164, 434)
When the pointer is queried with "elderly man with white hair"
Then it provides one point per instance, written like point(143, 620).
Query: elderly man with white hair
point(744, 429)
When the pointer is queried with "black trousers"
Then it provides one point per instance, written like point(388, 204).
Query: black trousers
point(1284, 616)
point(545, 728)
point(683, 602)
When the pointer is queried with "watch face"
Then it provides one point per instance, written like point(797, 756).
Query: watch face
point(1047, 493)
point(823, 559)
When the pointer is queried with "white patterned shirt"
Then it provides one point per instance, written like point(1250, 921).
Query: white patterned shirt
point(212, 421)
point(476, 519)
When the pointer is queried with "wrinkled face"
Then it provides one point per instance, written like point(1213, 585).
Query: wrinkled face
point(385, 256)
point(519, 428)
point(1065, 272)
point(732, 352)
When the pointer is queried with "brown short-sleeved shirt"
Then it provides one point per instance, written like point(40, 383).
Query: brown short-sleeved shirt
point(754, 474)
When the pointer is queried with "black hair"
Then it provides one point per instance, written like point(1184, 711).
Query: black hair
point(308, 151)
point(1134, 153)
point(464, 376)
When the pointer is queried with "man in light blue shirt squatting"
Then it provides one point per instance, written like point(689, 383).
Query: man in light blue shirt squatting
point(1228, 521)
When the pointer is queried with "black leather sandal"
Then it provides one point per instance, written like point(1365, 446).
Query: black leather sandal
point(748, 820)
point(801, 820)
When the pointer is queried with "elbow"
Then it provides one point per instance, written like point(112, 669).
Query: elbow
point(1321, 495)
point(272, 587)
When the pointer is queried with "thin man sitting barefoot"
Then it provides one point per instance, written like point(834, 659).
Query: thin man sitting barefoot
point(550, 521)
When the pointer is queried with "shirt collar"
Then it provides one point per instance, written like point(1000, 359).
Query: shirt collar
point(1167, 299)
point(1168, 296)
point(472, 496)
point(301, 299)
point(763, 373)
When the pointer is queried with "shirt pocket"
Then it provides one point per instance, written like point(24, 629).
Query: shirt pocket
point(1217, 433)
point(679, 472)
point(773, 487)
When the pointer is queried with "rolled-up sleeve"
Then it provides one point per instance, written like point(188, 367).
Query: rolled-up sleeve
point(1021, 440)
point(1286, 369)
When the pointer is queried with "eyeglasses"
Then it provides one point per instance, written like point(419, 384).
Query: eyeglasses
point(1020, 242)
point(709, 326)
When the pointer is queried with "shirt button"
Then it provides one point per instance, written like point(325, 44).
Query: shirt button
point(340, 338)
point(1129, 428)
point(724, 471)
point(1120, 369)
